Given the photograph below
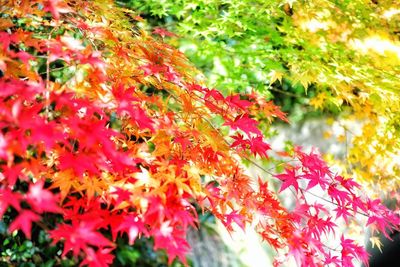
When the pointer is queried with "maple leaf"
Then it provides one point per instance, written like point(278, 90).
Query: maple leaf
point(40, 131)
point(214, 94)
point(348, 183)
point(375, 241)
point(42, 200)
point(183, 141)
point(339, 195)
point(124, 96)
point(235, 102)
point(240, 142)
point(289, 178)
point(380, 223)
point(313, 161)
point(196, 87)
point(153, 69)
point(80, 163)
point(142, 120)
point(258, 146)
point(171, 75)
point(128, 104)
point(79, 236)
point(170, 239)
point(5, 40)
point(131, 225)
point(271, 110)
point(342, 211)
point(122, 196)
point(99, 258)
point(9, 198)
point(329, 259)
point(12, 173)
point(315, 178)
point(163, 32)
point(350, 250)
point(244, 123)
point(55, 7)
point(319, 225)
point(235, 217)
point(23, 56)
point(65, 181)
point(24, 222)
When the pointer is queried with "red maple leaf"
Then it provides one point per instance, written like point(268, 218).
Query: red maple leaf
point(183, 141)
point(153, 69)
point(214, 94)
point(24, 222)
point(121, 195)
point(100, 258)
point(42, 200)
point(12, 174)
point(347, 183)
point(244, 123)
point(172, 240)
point(131, 225)
point(163, 32)
point(258, 146)
point(234, 101)
point(240, 142)
point(79, 236)
point(288, 178)
point(8, 198)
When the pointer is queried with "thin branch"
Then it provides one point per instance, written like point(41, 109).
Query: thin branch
point(334, 203)
point(283, 92)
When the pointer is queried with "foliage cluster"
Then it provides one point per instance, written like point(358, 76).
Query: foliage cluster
point(107, 137)
point(341, 57)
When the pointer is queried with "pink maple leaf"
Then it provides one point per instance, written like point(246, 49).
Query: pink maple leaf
point(55, 7)
point(244, 123)
point(24, 222)
point(339, 195)
point(258, 146)
point(163, 32)
point(350, 251)
point(42, 200)
point(288, 178)
point(343, 211)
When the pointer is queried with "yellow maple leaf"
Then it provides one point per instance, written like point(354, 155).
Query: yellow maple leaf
point(319, 101)
point(375, 241)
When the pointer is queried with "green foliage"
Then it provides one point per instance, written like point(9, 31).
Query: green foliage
point(243, 44)
point(236, 52)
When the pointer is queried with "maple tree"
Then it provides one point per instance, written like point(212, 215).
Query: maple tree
point(338, 58)
point(106, 132)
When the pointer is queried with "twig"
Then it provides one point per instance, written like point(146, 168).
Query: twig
point(329, 201)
